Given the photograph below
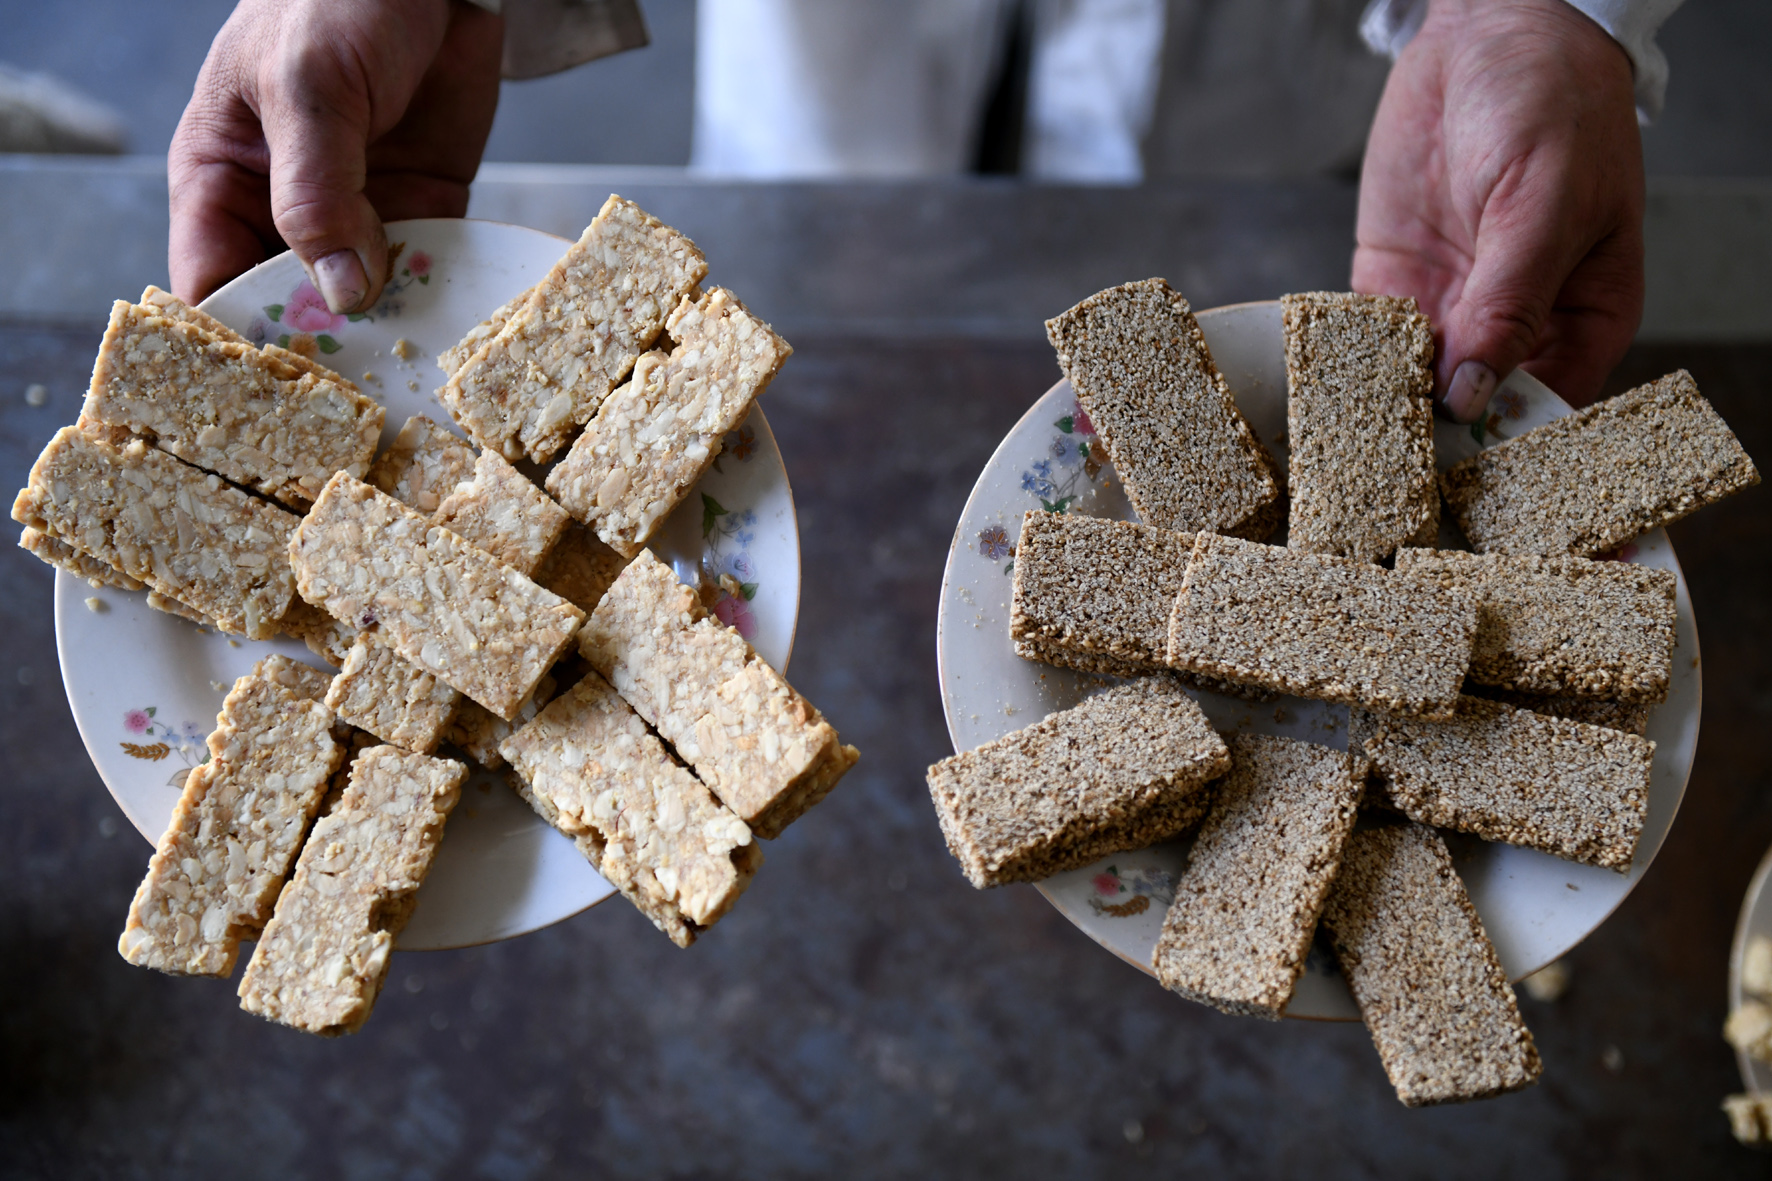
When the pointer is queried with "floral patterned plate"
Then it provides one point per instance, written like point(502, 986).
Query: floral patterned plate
point(145, 687)
point(1535, 907)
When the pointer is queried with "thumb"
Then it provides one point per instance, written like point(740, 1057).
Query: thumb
point(1522, 256)
point(318, 135)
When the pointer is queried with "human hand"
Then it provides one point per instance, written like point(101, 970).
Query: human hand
point(314, 120)
point(1503, 189)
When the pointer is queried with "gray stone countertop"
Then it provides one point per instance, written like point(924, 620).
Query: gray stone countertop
point(863, 1012)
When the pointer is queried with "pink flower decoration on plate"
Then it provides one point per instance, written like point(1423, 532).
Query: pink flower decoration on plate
point(736, 613)
point(419, 264)
point(307, 312)
point(1080, 421)
point(135, 721)
point(1106, 884)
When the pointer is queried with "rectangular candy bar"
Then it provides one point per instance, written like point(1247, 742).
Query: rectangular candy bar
point(1614, 715)
point(377, 691)
point(65, 557)
point(453, 358)
point(504, 513)
point(1430, 988)
point(1564, 626)
point(1138, 362)
point(423, 465)
point(1126, 769)
point(1246, 906)
point(328, 638)
point(170, 306)
point(478, 732)
point(234, 832)
point(446, 606)
point(657, 435)
point(223, 406)
point(1566, 788)
point(1359, 423)
point(762, 748)
point(305, 681)
point(557, 357)
point(1587, 483)
point(183, 532)
point(324, 954)
point(580, 569)
point(593, 770)
point(1319, 626)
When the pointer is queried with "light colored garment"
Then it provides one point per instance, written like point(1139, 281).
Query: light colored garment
point(1388, 25)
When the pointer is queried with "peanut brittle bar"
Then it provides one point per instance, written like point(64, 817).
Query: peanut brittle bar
point(65, 557)
point(580, 569)
point(1359, 423)
point(1563, 626)
point(423, 465)
point(444, 605)
point(235, 831)
point(453, 358)
point(1571, 790)
point(324, 954)
point(504, 513)
point(559, 355)
point(166, 304)
point(182, 532)
point(1246, 906)
point(1125, 769)
point(377, 691)
point(762, 748)
point(1589, 482)
point(592, 769)
point(477, 731)
point(657, 435)
point(1319, 626)
point(1430, 988)
point(224, 407)
point(328, 638)
point(1139, 365)
point(305, 681)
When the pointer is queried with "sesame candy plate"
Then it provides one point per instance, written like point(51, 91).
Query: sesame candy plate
point(1534, 906)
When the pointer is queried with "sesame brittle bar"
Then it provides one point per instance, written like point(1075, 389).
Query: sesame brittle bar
point(377, 691)
point(762, 748)
point(657, 435)
point(1139, 365)
point(1563, 626)
point(1589, 482)
point(442, 604)
point(1125, 769)
point(1359, 423)
point(504, 513)
point(223, 406)
point(559, 355)
point(324, 954)
point(235, 831)
point(182, 532)
point(592, 769)
point(1566, 788)
point(1331, 628)
point(1632, 718)
point(1430, 988)
point(1246, 906)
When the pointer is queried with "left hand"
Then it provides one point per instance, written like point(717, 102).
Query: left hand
point(1503, 189)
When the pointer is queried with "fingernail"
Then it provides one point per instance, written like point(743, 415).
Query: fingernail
point(1468, 395)
point(341, 280)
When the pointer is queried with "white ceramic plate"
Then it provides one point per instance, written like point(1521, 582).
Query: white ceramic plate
point(145, 687)
point(1756, 919)
point(1535, 907)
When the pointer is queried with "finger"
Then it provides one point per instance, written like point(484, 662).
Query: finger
point(1594, 321)
point(315, 109)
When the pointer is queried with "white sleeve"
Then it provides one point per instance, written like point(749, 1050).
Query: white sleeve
point(1388, 25)
point(547, 36)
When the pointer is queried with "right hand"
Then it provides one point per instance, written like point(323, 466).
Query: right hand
point(315, 120)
